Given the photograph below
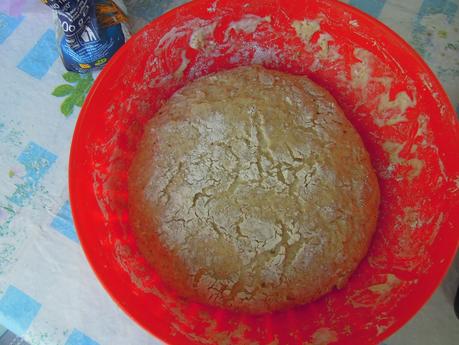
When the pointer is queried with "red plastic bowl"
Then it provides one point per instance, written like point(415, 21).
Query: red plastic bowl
point(399, 108)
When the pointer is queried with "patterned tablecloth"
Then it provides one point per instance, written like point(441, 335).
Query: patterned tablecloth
point(48, 293)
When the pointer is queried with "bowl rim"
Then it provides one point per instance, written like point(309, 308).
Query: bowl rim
point(84, 113)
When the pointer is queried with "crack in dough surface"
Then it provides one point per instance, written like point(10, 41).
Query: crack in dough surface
point(252, 191)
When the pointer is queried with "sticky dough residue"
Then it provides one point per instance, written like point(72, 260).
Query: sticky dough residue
point(247, 24)
point(306, 28)
point(394, 149)
point(422, 139)
point(381, 328)
point(212, 335)
point(413, 218)
point(425, 134)
point(396, 109)
point(178, 74)
point(390, 111)
point(213, 7)
point(354, 23)
point(323, 336)
point(323, 41)
point(361, 71)
point(321, 49)
point(402, 101)
point(201, 37)
point(385, 288)
point(380, 293)
point(456, 182)
point(199, 33)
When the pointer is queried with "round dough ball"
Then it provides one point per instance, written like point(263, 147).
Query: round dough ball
point(251, 191)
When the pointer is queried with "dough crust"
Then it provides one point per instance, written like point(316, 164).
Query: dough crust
point(251, 191)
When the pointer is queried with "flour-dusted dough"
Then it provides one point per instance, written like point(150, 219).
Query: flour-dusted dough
point(252, 191)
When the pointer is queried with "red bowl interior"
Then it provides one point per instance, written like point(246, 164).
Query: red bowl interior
point(414, 145)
